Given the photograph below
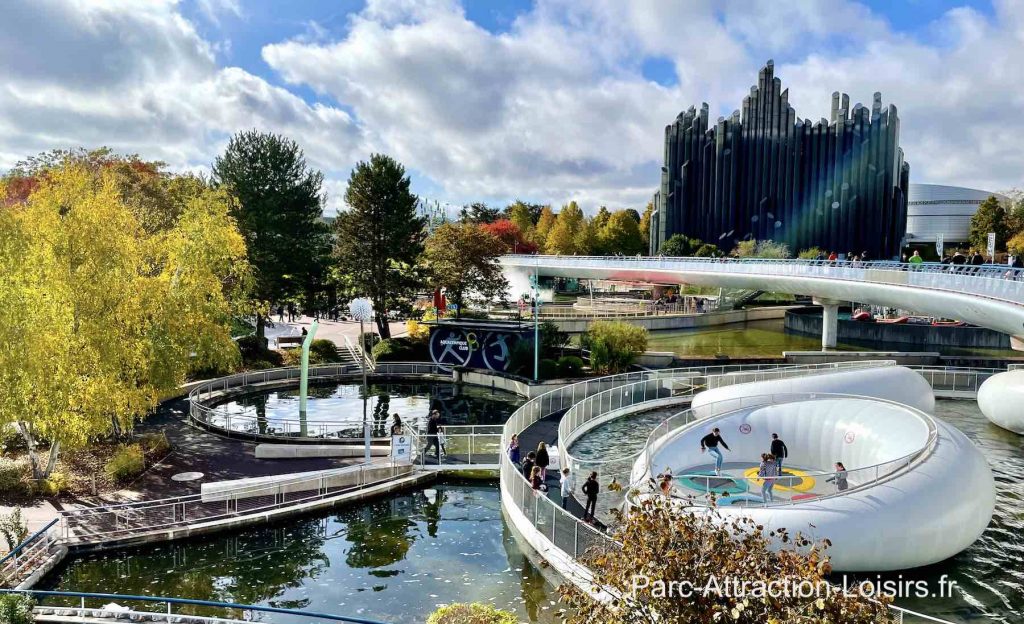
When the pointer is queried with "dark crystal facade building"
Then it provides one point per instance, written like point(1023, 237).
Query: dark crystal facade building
point(764, 173)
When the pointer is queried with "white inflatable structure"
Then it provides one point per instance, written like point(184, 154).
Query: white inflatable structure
point(919, 490)
point(1001, 399)
point(891, 383)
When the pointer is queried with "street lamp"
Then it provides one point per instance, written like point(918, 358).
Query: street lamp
point(361, 309)
point(536, 326)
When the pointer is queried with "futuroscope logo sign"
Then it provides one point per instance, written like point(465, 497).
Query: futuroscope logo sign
point(472, 348)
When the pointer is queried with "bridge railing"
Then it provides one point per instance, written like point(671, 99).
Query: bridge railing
point(992, 281)
point(29, 554)
point(107, 523)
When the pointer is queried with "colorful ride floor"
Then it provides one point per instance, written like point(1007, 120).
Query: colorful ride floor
point(738, 484)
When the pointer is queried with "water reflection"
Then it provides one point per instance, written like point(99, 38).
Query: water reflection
point(395, 560)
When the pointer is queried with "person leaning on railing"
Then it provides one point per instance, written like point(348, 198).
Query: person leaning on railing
point(840, 477)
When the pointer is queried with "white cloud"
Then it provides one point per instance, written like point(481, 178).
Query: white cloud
point(555, 108)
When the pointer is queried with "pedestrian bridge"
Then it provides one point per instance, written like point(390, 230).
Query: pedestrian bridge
point(989, 296)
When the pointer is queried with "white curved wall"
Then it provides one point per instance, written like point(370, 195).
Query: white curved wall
point(817, 433)
point(934, 209)
point(891, 383)
point(1001, 399)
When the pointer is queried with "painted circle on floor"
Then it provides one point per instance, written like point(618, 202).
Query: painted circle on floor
point(743, 500)
point(708, 481)
point(802, 483)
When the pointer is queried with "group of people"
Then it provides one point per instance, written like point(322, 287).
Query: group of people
point(769, 470)
point(535, 469)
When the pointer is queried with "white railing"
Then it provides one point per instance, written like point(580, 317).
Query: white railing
point(97, 525)
point(992, 281)
point(358, 354)
point(202, 397)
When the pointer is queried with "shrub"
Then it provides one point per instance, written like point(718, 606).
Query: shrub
point(255, 355)
point(811, 253)
point(127, 463)
point(371, 340)
point(547, 369)
point(570, 366)
point(614, 345)
point(400, 350)
point(155, 444)
point(53, 485)
point(13, 474)
point(761, 249)
point(13, 528)
point(291, 356)
point(10, 438)
point(661, 541)
point(475, 613)
point(323, 351)
point(417, 330)
point(16, 609)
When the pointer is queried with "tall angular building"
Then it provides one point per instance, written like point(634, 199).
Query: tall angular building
point(764, 173)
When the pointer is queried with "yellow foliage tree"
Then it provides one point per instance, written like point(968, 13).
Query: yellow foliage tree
point(562, 236)
point(545, 222)
point(105, 314)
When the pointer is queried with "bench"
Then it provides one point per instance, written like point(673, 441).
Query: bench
point(290, 340)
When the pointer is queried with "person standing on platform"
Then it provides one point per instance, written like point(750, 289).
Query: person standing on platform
point(396, 427)
point(567, 483)
point(543, 460)
point(433, 435)
point(710, 444)
point(779, 451)
point(591, 489)
point(513, 449)
point(767, 471)
point(528, 464)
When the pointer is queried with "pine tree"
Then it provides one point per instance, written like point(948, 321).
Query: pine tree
point(990, 217)
point(379, 239)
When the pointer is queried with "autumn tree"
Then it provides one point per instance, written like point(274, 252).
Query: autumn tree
point(522, 214)
point(562, 236)
point(509, 236)
point(545, 222)
point(102, 316)
point(378, 240)
point(601, 218)
point(658, 542)
point(463, 259)
point(645, 225)
point(279, 209)
point(621, 235)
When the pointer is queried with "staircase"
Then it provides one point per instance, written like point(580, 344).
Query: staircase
point(734, 298)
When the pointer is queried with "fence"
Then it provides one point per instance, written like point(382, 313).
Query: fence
point(460, 445)
point(202, 412)
point(173, 611)
point(26, 556)
point(109, 523)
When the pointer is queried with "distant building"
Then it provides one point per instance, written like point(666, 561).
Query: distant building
point(934, 209)
point(838, 183)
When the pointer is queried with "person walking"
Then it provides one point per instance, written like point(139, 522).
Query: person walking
point(567, 483)
point(767, 472)
point(710, 444)
point(591, 489)
point(280, 314)
point(543, 460)
point(779, 451)
point(433, 435)
point(513, 449)
point(977, 259)
point(916, 259)
point(396, 426)
point(840, 477)
point(529, 464)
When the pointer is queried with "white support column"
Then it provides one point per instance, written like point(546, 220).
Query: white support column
point(829, 322)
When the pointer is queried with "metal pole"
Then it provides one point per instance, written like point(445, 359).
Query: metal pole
point(304, 376)
point(536, 327)
point(366, 423)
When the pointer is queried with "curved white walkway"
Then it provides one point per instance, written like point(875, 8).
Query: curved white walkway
point(989, 296)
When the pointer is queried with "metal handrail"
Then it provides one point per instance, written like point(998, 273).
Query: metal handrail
point(14, 551)
point(186, 601)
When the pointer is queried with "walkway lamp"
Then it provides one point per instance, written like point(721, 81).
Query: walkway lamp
point(362, 310)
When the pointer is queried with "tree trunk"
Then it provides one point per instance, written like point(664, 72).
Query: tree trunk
point(261, 330)
point(383, 326)
point(54, 453)
point(30, 443)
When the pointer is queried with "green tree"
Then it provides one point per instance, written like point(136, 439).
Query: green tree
point(378, 240)
point(601, 218)
point(562, 236)
point(761, 249)
point(632, 212)
point(545, 222)
point(621, 234)
point(479, 212)
point(614, 345)
point(990, 217)
point(463, 259)
point(586, 240)
point(662, 542)
point(279, 210)
point(680, 245)
point(519, 214)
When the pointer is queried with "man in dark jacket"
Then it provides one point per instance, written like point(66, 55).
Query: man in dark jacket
point(779, 451)
point(710, 443)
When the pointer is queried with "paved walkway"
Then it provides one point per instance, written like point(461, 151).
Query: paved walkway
point(330, 330)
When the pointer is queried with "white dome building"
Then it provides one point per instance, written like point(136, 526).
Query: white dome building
point(937, 209)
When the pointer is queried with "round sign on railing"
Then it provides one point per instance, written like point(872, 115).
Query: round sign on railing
point(745, 428)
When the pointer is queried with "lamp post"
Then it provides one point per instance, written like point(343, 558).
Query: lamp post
point(534, 284)
point(361, 309)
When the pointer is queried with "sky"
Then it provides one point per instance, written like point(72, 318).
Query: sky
point(545, 101)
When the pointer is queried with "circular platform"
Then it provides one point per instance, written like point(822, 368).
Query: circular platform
point(802, 483)
point(704, 481)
